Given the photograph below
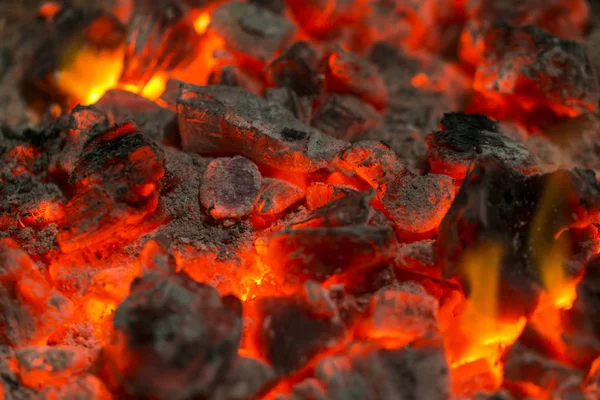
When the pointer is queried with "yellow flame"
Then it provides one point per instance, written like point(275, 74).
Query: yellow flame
point(201, 23)
point(550, 252)
point(85, 73)
point(478, 333)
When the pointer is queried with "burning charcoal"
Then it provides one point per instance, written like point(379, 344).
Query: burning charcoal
point(124, 161)
point(86, 387)
point(467, 137)
point(83, 123)
point(296, 69)
point(522, 216)
point(527, 65)
point(581, 323)
point(345, 117)
point(30, 308)
point(417, 371)
point(396, 317)
point(350, 210)
point(230, 187)
point(418, 257)
point(174, 338)
point(250, 31)
point(159, 38)
point(374, 162)
point(522, 365)
point(157, 122)
point(221, 119)
point(276, 196)
point(246, 378)
point(116, 179)
point(417, 204)
point(349, 73)
point(318, 253)
point(320, 194)
point(298, 328)
point(42, 366)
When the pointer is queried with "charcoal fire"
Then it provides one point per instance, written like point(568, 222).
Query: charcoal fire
point(294, 200)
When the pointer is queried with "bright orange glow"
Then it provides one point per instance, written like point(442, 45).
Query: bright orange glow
point(201, 23)
point(86, 73)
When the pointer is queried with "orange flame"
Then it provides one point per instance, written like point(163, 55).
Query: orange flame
point(476, 339)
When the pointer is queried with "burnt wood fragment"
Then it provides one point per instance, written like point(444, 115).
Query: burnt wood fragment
point(222, 119)
point(467, 137)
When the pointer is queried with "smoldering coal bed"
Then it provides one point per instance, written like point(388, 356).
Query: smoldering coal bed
point(299, 199)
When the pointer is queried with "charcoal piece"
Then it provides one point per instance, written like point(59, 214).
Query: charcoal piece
point(230, 187)
point(125, 162)
point(228, 75)
point(221, 119)
point(30, 307)
point(160, 37)
point(581, 323)
point(43, 366)
point(417, 371)
point(417, 204)
point(467, 137)
point(93, 216)
point(396, 317)
point(353, 209)
point(246, 379)
point(250, 31)
point(174, 338)
point(158, 123)
point(86, 387)
point(526, 366)
point(350, 73)
point(497, 206)
point(418, 257)
point(276, 196)
point(297, 330)
point(318, 253)
point(375, 162)
point(297, 70)
point(83, 123)
point(345, 117)
point(530, 63)
point(116, 180)
point(320, 194)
